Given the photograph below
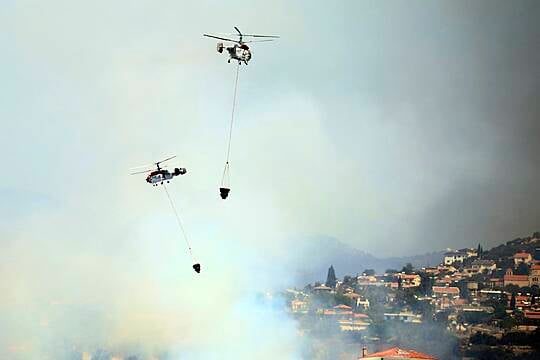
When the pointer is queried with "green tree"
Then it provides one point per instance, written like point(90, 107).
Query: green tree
point(522, 269)
point(331, 277)
point(408, 269)
point(479, 251)
point(426, 285)
point(513, 301)
point(369, 272)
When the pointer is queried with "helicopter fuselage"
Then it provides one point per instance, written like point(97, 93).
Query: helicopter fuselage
point(159, 176)
point(239, 52)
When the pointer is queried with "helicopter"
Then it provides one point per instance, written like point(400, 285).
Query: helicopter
point(239, 51)
point(160, 175)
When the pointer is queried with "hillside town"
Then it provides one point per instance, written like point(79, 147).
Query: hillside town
point(475, 304)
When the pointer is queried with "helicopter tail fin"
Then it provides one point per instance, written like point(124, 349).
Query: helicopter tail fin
point(179, 171)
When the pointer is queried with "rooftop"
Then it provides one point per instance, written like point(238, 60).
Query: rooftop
point(397, 353)
point(516, 278)
point(446, 290)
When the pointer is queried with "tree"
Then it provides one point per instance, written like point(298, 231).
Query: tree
point(511, 288)
point(369, 272)
point(479, 251)
point(426, 284)
point(522, 269)
point(391, 271)
point(331, 277)
point(513, 301)
point(408, 269)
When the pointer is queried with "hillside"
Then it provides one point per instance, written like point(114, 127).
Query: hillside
point(320, 253)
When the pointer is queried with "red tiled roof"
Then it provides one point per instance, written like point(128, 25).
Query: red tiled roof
point(516, 278)
point(397, 353)
point(361, 316)
point(342, 307)
point(446, 290)
point(535, 267)
point(405, 276)
point(521, 255)
point(532, 315)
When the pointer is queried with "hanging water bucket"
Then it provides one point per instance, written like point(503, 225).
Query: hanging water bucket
point(224, 192)
point(197, 268)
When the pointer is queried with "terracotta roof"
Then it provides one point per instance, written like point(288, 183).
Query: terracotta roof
point(532, 315)
point(397, 353)
point(535, 267)
point(521, 255)
point(516, 278)
point(446, 290)
point(361, 316)
point(405, 276)
point(342, 307)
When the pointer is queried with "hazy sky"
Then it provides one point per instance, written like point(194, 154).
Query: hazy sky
point(399, 127)
point(369, 121)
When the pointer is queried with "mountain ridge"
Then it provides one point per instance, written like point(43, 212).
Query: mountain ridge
point(321, 252)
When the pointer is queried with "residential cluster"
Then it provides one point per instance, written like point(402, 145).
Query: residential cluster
point(484, 300)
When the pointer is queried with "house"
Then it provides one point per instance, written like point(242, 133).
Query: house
point(523, 302)
point(454, 256)
point(357, 300)
point(445, 291)
point(472, 286)
point(322, 289)
point(532, 315)
point(298, 306)
point(368, 280)
point(358, 322)
point(406, 317)
point(396, 353)
point(518, 280)
point(479, 266)
point(486, 294)
point(342, 310)
point(496, 282)
point(534, 275)
point(431, 270)
point(408, 281)
point(522, 257)
point(352, 325)
point(470, 252)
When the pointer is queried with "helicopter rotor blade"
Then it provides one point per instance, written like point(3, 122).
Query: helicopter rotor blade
point(252, 41)
point(235, 28)
point(220, 38)
point(141, 172)
point(263, 36)
point(167, 159)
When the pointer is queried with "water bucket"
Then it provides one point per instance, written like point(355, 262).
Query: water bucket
point(197, 268)
point(224, 192)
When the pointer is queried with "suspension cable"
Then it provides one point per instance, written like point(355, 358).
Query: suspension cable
point(180, 223)
point(225, 170)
